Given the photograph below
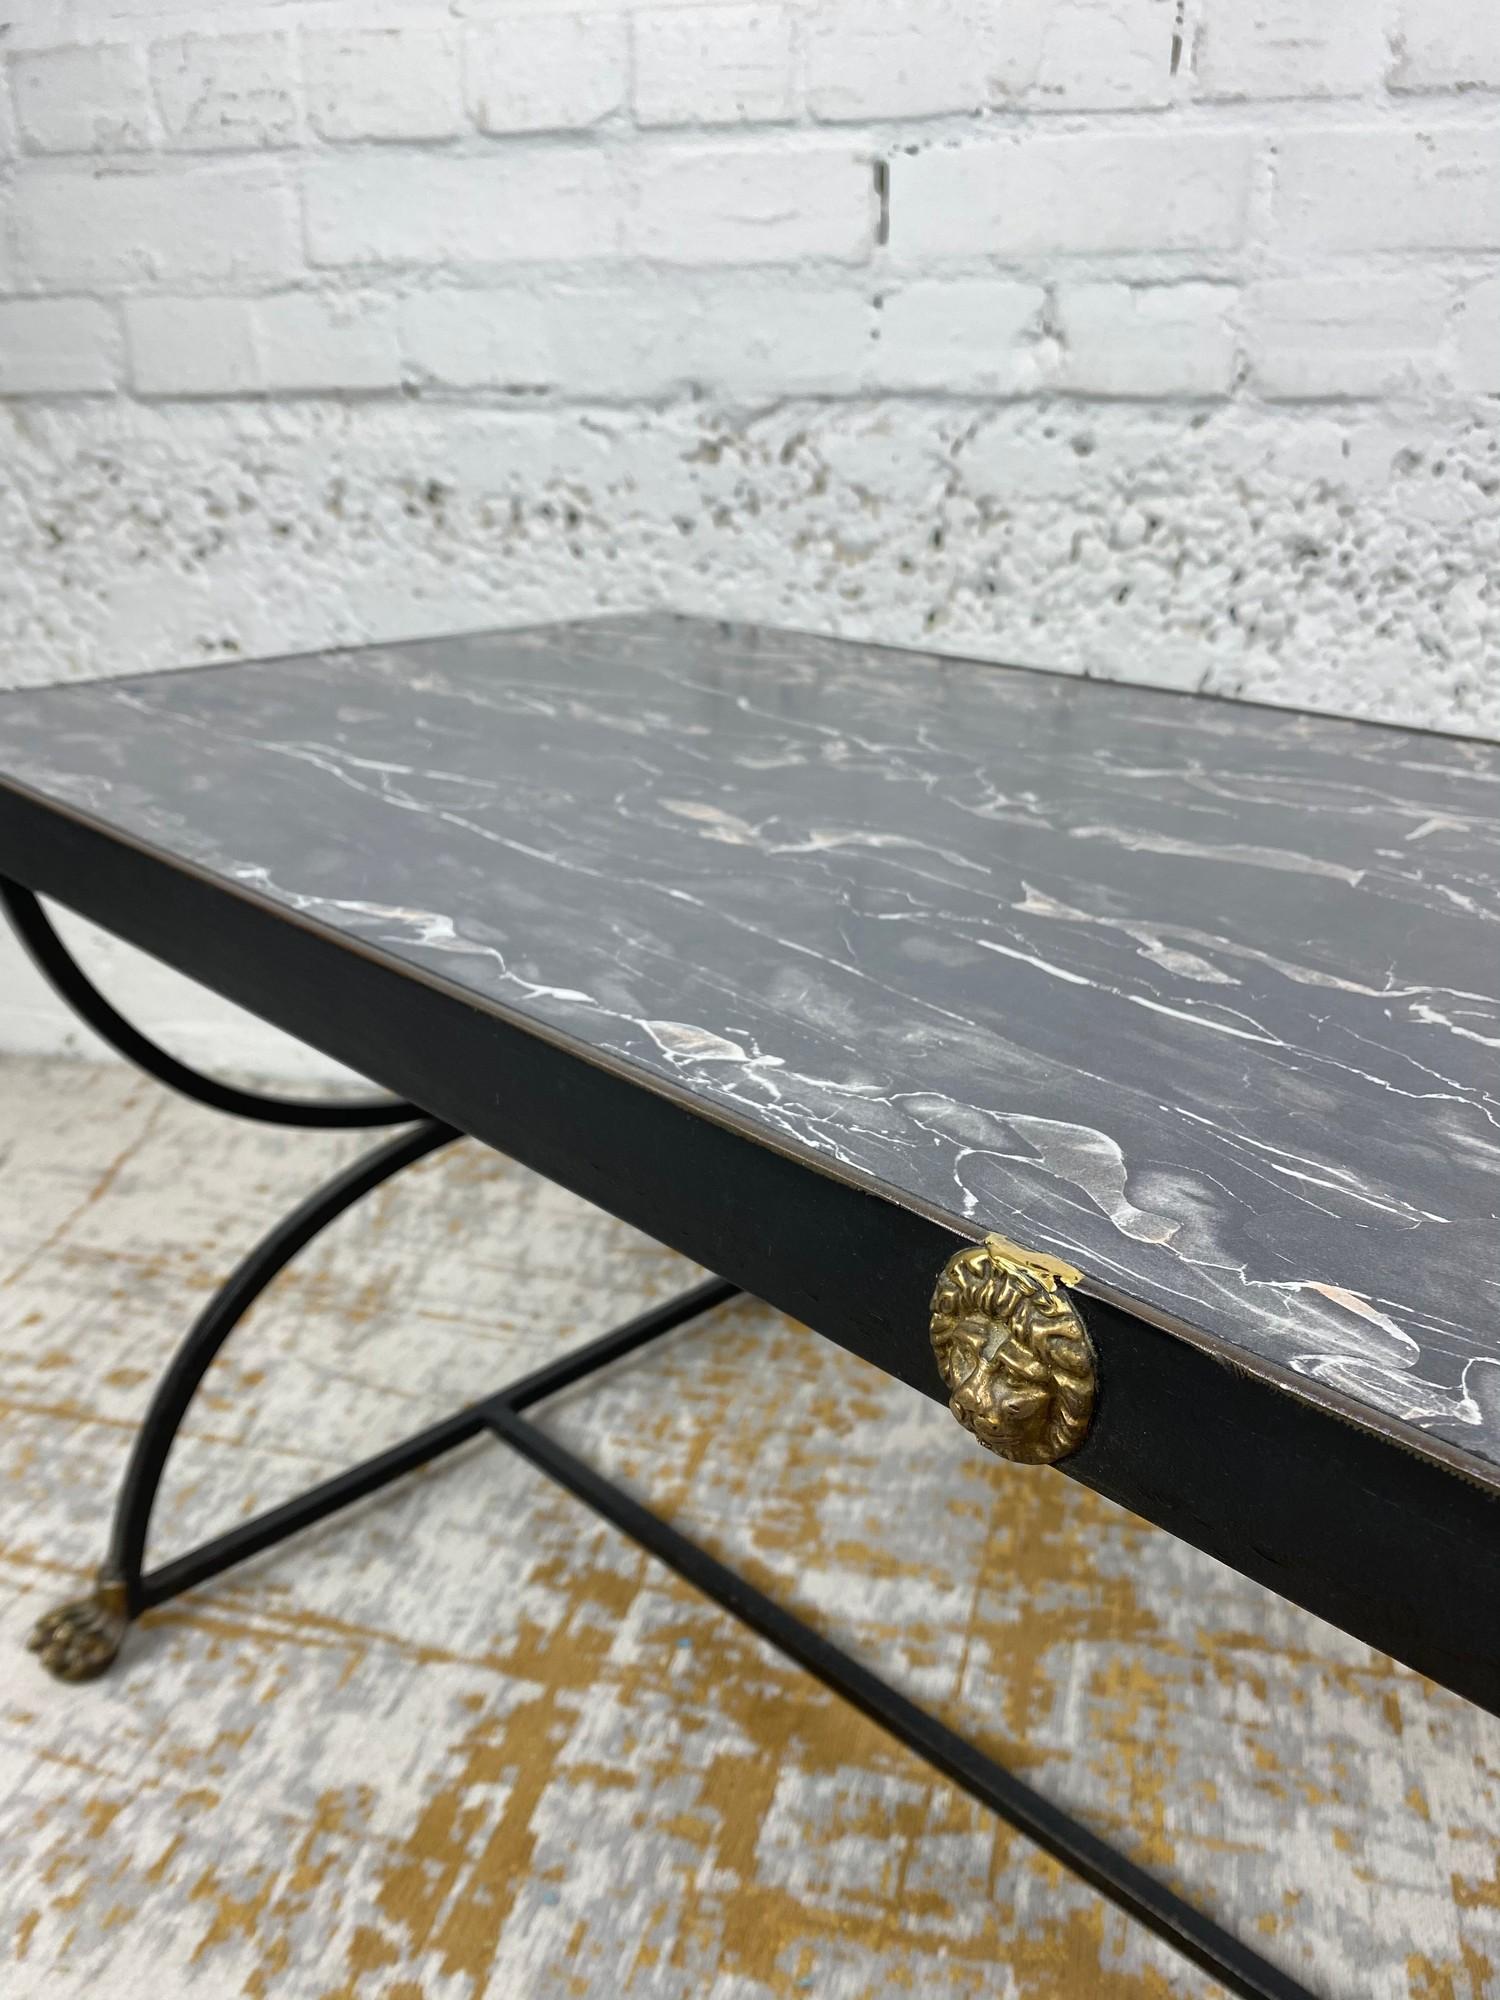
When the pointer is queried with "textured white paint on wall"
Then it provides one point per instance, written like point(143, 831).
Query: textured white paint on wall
point(1144, 337)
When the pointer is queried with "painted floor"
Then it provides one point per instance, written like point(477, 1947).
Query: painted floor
point(466, 1741)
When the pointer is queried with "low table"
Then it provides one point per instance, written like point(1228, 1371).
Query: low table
point(1115, 1065)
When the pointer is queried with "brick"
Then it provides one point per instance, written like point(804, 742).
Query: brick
point(747, 337)
point(743, 205)
point(383, 83)
point(555, 202)
point(306, 342)
point(1344, 336)
point(82, 100)
point(226, 91)
point(1288, 48)
point(742, 335)
point(1046, 192)
point(208, 223)
point(191, 347)
point(1378, 188)
point(962, 336)
point(285, 344)
point(546, 72)
point(57, 345)
point(1478, 360)
point(918, 58)
point(1105, 55)
point(1446, 45)
point(713, 65)
point(486, 339)
point(1146, 340)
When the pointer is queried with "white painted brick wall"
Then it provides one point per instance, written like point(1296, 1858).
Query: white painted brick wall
point(1290, 48)
point(383, 83)
point(967, 336)
point(1147, 340)
point(700, 206)
point(744, 334)
point(83, 100)
point(1103, 55)
point(1041, 195)
point(1446, 45)
point(713, 65)
point(1479, 338)
point(207, 223)
point(1145, 336)
point(546, 72)
point(53, 346)
point(224, 93)
point(295, 342)
point(1344, 336)
point(1371, 188)
point(191, 347)
point(915, 58)
point(443, 209)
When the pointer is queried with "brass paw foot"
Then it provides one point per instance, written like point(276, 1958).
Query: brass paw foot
point(79, 1640)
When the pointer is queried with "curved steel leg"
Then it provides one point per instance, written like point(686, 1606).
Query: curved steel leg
point(79, 1640)
point(57, 965)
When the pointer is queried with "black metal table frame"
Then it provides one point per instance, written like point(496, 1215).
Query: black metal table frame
point(82, 1638)
point(1392, 1536)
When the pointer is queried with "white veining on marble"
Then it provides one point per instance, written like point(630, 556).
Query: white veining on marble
point(1204, 997)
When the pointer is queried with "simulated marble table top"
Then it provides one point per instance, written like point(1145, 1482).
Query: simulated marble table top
point(1203, 996)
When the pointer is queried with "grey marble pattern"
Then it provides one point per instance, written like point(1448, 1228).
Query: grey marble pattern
point(1204, 996)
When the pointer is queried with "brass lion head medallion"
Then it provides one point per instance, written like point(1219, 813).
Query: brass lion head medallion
point(1013, 1351)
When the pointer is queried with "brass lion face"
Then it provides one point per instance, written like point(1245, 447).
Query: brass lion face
point(1013, 1352)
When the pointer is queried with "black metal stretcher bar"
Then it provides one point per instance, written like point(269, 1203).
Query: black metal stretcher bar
point(81, 1639)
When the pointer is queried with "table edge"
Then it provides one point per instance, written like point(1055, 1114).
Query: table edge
point(909, 649)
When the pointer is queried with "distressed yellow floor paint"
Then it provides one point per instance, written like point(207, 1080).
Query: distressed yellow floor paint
point(467, 1743)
